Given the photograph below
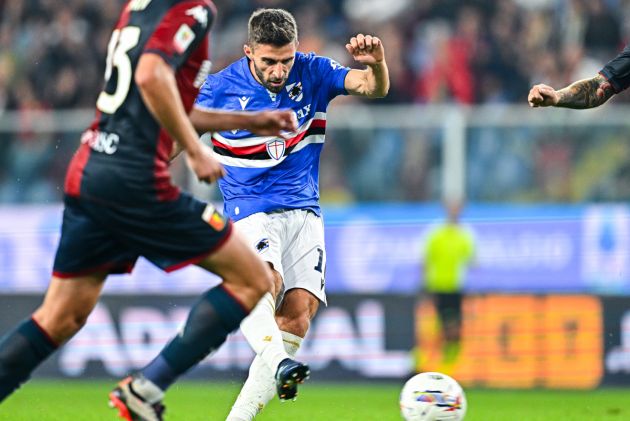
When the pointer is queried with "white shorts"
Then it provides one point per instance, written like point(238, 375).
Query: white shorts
point(293, 242)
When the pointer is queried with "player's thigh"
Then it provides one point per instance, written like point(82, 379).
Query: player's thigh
point(260, 231)
point(240, 268)
point(68, 303)
point(304, 260)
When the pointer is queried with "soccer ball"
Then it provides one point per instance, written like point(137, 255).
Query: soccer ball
point(432, 397)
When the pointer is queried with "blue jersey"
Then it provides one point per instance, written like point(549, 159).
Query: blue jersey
point(270, 173)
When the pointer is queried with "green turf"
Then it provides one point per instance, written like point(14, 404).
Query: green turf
point(190, 401)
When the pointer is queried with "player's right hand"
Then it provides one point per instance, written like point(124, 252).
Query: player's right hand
point(204, 164)
point(542, 96)
point(274, 123)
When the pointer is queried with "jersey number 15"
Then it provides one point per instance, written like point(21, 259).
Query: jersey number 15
point(119, 45)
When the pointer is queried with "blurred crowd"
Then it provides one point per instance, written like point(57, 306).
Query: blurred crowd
point(439, 51)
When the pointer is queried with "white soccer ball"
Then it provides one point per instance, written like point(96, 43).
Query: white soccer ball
point(432, 397)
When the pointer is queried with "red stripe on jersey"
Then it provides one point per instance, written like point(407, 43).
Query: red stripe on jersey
point(74, 175)
point(248, 150)
point(124, 17)
point(75, 170)
point(317, 124)
point(165, 189)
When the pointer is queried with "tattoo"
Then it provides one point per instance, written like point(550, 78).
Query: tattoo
point(587, 93)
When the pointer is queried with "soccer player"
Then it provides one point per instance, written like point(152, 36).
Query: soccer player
point(271, 185)
point(120, 204)
point(613, 78)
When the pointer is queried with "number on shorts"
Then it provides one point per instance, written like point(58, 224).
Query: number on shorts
point(119, 45)
point(320, 262)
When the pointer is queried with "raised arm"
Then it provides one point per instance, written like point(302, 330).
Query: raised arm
point(587, 93)
point(373, 82)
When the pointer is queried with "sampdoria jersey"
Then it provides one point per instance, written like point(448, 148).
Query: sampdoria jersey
point(123, 157)
point(269, 173)
point(617, 71)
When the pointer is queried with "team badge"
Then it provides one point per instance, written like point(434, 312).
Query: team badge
point(295, 91)
point(213, 218)
point(262, 245)
point(275, 148)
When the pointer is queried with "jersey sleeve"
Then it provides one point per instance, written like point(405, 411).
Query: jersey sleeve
point(617, 71)
point(332, 75)
point(181, 30)
point(206, 96)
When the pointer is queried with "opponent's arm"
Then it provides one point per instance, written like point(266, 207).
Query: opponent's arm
point(587, 93)
point(372, 82)
point(156, 81)
point(264, 123)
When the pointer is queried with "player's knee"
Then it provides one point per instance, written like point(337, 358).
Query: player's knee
point(61, 325)
point(297, 325)
point(277, 282)
point(264, 281)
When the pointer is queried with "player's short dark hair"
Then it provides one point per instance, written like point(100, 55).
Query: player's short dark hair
point(276, 27)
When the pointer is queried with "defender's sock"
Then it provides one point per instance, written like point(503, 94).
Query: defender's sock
point(211, 319)
point(21, 351)
point(260, 386)
point(263, 334)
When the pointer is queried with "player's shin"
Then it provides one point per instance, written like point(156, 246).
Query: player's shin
point(21, 351)
point(259, 388)
point(211, 319)
point(263, 334)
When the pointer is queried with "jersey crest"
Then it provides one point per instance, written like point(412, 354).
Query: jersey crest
point(275, 148)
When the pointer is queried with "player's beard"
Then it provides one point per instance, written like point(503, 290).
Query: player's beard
point(276, 89)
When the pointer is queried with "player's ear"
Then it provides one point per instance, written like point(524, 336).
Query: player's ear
point(248, 51)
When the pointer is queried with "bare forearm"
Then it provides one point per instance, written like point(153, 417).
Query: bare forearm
point(158, 88)
point(587, 93)
point(206, 120)
point(378, 80)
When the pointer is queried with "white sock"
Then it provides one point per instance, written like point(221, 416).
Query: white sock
point(260, 386)
point(263, 334)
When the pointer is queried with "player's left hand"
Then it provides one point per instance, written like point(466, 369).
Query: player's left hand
point(366, 49)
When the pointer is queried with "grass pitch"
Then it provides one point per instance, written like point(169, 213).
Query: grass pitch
point(190, 401)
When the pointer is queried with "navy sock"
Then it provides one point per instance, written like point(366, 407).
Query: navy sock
point(210, 320)
point(21, 351)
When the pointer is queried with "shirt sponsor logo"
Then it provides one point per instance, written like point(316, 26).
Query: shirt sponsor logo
point(183, 38)
point(102, 142)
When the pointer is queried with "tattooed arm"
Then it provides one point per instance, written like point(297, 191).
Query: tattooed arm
point(587, 93)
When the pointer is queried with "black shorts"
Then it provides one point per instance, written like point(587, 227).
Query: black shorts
point(171, 235)
point(449, 306)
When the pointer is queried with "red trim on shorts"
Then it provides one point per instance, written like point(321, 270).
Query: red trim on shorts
point(202, 256)
point(46, 335)
point(110, 268)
